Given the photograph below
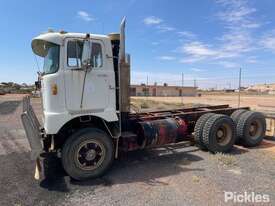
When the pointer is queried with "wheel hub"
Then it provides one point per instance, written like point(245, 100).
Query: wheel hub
point(223, 134)
point(252, 129)
point(90, 155)
point(220, 133)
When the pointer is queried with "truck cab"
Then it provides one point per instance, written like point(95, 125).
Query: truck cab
point(68, 90)
point(81, 92)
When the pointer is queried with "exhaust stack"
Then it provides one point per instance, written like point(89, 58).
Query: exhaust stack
point(124, 78)
point(122, 40)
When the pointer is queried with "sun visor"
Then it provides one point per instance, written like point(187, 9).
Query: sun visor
point(41, 43)
point(39, 47)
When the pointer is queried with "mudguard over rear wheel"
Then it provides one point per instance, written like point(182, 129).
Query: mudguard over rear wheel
point(87, 154)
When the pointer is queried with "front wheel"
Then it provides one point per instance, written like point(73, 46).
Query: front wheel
point(87, 154)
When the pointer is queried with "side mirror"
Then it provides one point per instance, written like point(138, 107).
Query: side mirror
point(37, 85)
point(86, 54)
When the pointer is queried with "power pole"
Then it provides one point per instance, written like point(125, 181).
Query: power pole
point(229, 85)
point(147, 88)
point(182, 85)
point(240, 86)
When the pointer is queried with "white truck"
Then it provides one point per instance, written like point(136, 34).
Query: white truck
point(85, 88)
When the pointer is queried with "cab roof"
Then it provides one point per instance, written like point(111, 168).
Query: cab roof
point(58, 38)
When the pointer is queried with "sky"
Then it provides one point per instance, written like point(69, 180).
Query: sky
point(205, 40)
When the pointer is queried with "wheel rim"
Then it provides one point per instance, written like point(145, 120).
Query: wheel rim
point(224, 134)
point(90, 155)
point(255, 129)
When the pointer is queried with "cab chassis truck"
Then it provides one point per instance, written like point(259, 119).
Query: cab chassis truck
point(87, 121)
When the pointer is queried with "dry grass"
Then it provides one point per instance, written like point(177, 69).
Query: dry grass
point(225, 159)
point(143, 104)
point(195, 178)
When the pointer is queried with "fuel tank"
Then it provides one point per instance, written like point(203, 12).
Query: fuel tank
point(160, 132)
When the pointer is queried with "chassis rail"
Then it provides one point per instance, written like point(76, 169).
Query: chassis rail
point(32, 128)
point(189, 114)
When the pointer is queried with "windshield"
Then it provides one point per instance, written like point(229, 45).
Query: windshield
point(51, 60)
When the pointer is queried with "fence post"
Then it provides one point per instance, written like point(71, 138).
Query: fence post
point(240, 86)
point(182, 84)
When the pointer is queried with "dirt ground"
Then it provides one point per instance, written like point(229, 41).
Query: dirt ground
point(164, 176)
point(264, 103)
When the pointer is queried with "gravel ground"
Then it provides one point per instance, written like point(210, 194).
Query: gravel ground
point(164, 176)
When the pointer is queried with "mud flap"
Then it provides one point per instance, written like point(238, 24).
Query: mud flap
point(32, 129)
point(38, 169)
point(33, 136)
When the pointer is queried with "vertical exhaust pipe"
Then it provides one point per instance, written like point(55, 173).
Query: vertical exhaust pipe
point(122, 41)
point(124, 79)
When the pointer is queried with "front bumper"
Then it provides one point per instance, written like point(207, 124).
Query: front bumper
point(32, 128)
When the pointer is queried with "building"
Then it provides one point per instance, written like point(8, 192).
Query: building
point(262, 88)
point(162, 91)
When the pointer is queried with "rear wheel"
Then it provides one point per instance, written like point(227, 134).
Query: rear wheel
point(236, 117)
point(219, 133)
point(198, 130)
point(237, 114)
point(251, 128)
point(87, 154)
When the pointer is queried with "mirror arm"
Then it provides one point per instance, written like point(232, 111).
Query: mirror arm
point(83, 88)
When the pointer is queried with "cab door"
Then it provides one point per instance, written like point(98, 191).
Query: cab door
point(92, 94)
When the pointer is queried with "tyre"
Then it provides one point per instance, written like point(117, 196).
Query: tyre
point(219, 133)
point(87, 154)
point(251, 128)
point(198, 130)
point(237, 114)
point(236, 117)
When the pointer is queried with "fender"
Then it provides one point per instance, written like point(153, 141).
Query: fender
point(53, 122)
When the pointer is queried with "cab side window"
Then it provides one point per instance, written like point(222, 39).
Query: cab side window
point(96, 56)
point(74, 53)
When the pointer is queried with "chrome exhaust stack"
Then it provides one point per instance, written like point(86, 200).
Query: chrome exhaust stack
point(124, 79)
